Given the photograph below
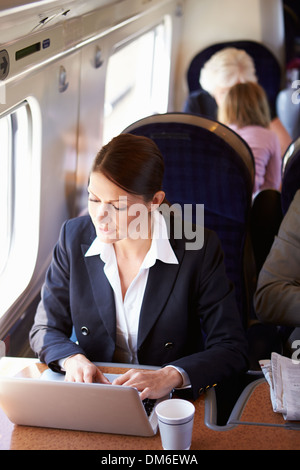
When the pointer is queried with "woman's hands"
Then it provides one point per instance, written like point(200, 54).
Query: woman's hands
point(79, 369)
point(151, 383)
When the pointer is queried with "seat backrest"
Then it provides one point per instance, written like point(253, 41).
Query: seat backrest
point(265, 220)
point(290, 174)
point(267, 67)
point(207, 163)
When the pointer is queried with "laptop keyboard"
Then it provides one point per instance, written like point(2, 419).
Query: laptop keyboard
point(149, 405)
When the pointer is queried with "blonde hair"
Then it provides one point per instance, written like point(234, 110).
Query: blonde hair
point(227, 67)
point(245, 104)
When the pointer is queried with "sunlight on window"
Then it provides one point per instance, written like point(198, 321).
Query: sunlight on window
point(137, 81)
point(19, 199)
point(5, 190)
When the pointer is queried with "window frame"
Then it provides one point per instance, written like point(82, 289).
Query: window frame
point(23, 200)
point(5, 191)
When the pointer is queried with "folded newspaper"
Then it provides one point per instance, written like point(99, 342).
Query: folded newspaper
point(283, 376)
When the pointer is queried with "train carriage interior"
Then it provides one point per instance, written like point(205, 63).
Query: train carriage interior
point(75, 74)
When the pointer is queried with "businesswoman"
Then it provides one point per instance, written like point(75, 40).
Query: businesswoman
point(133, 291)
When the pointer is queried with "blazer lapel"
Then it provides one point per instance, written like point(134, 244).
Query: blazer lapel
point(103, 293)
point(160, 283)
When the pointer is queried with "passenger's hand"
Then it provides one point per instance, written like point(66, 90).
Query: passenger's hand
point(79, 369)
point(151, 383)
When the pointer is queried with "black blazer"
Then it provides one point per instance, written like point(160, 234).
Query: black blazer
point(188, 317)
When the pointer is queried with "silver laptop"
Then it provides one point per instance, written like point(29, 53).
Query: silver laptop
point(51, 402)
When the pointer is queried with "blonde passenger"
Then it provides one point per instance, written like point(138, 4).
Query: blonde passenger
point(224, 69)
point(245, 109)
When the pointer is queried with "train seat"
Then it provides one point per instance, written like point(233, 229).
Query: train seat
point(290, 174)
point(207, 163)
point(266, 217)
point(267, 69)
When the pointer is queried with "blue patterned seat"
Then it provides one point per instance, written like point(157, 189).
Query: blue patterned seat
point(207, 163)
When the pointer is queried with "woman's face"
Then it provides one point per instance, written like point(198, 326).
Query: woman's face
point(115, 213)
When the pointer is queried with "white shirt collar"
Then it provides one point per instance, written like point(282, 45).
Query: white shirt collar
point(160, 247)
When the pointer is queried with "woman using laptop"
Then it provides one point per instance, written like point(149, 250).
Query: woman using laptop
point(125, 278)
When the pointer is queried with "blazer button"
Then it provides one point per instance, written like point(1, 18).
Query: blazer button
point(85, 331)
point(169, 345)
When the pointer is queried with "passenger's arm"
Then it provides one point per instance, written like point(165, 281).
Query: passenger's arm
point(282, 134)
point(52, 328)
point(277, 299)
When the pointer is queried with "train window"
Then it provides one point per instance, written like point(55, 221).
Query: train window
point(5, 190)
point(19, 198)
point(137, 80)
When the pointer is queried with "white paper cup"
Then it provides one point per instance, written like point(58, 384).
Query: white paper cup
point(175, 421)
